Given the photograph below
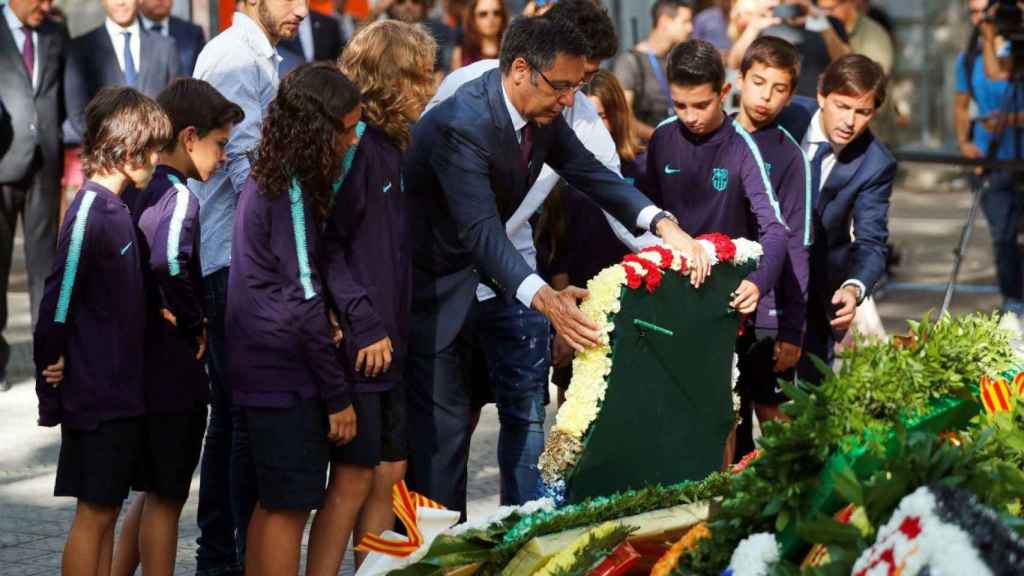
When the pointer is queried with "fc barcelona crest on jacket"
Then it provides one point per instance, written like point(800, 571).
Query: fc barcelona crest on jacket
point(719, 178)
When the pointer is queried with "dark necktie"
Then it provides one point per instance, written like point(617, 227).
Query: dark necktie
point(526, 145)
point(157, 28)
point(130, 77)
point(823, 150)
point(28, 52)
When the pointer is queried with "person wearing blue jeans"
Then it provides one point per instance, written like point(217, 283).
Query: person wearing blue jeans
point(226, 498)
point(1000, 198)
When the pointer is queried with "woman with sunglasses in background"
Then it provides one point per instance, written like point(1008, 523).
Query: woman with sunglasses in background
point(483, 24)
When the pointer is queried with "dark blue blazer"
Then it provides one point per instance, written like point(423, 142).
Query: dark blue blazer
point(92, 65)
point(857, 191)
point(190, 40)
point(464, 178)
point(327, 43)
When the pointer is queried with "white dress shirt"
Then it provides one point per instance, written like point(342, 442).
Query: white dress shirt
point(590, 130)
point(18, 32)
point(813, 138)
point(306, 38)
point(117, 39)
point(165, 25)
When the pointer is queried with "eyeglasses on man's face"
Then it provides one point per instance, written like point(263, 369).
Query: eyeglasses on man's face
point(564, 88)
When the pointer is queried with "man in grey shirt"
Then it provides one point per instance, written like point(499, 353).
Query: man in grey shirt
point(242, 63)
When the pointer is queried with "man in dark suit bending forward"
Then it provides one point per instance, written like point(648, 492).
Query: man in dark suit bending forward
point(472, 162)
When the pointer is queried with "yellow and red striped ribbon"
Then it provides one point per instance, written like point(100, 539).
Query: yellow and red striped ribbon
point(995, 394)
point(405, 503)
point(1018, 384)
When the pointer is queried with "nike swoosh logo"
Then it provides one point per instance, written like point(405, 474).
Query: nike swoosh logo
point(670, 170)
point(387, 187)
point(778, 389)
point(126, 247)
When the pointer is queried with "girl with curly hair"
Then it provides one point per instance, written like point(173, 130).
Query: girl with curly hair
point(369, 275)
point(282, 362)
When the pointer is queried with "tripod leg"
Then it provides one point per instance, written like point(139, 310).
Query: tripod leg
point(977, 190)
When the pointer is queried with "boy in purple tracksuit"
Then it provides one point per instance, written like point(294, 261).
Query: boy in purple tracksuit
point(706, 169)
point(167, 215)
point(368, 270)
point(88, 343)
point(283, 366)
point(771, 350)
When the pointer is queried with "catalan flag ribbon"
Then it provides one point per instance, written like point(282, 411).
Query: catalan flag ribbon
point(405, 505)
point(424, 520)
point(996, 395)
point(1018, 384)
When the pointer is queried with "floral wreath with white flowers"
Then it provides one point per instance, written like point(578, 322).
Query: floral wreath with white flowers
point(590, 368)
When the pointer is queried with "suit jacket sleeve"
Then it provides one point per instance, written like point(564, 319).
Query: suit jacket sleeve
point(871, 228)
point(462, 167)
point(76, 94)
point(584, 172)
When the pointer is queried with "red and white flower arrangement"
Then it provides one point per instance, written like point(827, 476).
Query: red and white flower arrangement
point(590, 369)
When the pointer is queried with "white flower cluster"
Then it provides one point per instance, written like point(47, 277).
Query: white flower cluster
point(915, 538)
point(539, 505)
point(746, 251)
point(755, 555)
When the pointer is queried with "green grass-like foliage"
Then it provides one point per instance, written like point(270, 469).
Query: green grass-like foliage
point(879, 382)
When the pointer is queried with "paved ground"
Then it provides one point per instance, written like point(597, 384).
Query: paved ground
point(33, 524)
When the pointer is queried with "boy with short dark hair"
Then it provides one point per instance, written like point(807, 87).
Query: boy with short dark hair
point(88, 343)
point(706, 169)
point(176, 384)
point(772, 347)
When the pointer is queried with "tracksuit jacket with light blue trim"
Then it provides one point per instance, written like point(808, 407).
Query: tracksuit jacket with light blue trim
point(168, 219)
point(717, 183)
point(784, 308)
point(93, 314)
point(277, 333)
point(368, 260)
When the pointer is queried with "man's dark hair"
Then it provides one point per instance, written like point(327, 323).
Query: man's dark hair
point(668, 8)
point(773, 52)
point(694, 63)
point(192, 102)
point(539, 39)
point(593, 22)
point(854, 75)
point(122, 126)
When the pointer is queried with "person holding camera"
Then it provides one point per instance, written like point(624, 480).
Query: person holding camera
point(982, 80)
point(819, 38)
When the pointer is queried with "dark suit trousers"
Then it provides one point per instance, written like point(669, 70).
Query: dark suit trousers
point(37, 200)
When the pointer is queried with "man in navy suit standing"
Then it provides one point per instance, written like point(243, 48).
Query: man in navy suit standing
point(851, 183)
point(319, 38)
point(472, 161)
point(117, 53)
point(33, 50)
point(156, 17)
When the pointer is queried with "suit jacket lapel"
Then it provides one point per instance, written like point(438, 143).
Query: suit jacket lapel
point(105, 47)
point(12, 54)
point(507, 142)
point(47, 55)
point(146, 56)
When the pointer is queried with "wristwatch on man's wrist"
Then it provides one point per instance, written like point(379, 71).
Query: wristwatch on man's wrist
point(663, 215)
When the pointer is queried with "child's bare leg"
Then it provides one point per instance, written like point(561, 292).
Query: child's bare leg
point(378, 514)
point(126, 548)
point(280, 543)
point(158, 540)
point(347, 491)
point(90, 540)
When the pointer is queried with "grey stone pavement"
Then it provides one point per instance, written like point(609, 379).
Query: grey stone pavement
point(925, 223)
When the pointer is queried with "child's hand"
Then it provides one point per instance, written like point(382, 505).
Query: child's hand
point(343, 426)
point(376, 357)
point(54, 373)
point(336, 335)
point(201, 344)
point(745, 297)
point(169, 316)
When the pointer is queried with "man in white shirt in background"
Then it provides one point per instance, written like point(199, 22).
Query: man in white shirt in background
point(243, 64)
